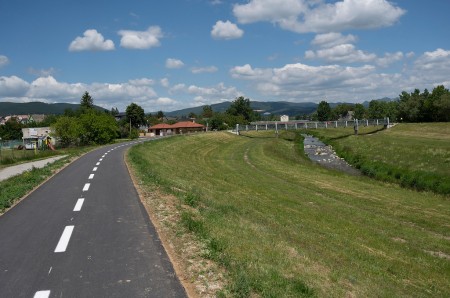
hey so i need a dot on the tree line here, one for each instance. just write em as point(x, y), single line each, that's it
point(410, 107)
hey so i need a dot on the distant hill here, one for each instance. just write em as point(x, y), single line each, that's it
point(272, 107)
point(12, 108)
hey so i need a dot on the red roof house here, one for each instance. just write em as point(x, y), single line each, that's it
point(177, 128)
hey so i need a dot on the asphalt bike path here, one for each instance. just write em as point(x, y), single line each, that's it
point(84, 233)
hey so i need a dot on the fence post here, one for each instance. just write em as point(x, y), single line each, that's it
point(316, 125)
point(296, 126)
point(285, 126)
point(266, 126)
point(346, 123)
point(336, 124)
point(367, 122)
point(256, 127)
point(237, 129)
point(326, 124)
point(306, 125)
point(377, 122)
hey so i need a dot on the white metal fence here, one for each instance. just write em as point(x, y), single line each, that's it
point(294, 125)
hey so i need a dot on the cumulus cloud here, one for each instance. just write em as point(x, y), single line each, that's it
point(433, 66)
point(3, 60)
point(211, 94)
point(141, 39)
point(338, 48)
point(13, 87)
point(174, 63)
point(331, 39)
point(208, 69)
point(318, 16)
point(165, 82)
point(226, 30)
point(91, 41)
point(346, 53)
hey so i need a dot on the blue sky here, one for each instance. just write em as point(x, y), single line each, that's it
point(173, 54)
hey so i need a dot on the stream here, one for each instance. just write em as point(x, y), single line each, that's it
point(323, 154)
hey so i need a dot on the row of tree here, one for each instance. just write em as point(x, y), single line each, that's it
point(410, 107)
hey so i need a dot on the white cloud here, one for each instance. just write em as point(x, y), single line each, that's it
point(338, 48)
point(3, 60)
point(91, 41)
point(211, 94)
point(328, 40)
point(226, 30)
point(141, 39)
point(13, 87)
point(174, 63)
point(389, 58)
point(165, 82)
point(433, 66)
point(165, 101)
point(142, 82)
point(345, 53)
point(318, 16)
point(208, 69)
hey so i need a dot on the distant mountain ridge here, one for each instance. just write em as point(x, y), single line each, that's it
point(272, 107)
point(27, 108)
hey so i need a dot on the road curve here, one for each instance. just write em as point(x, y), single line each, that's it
point(84, 233)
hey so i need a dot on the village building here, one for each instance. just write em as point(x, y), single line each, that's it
point(183, 127)
point(37, 137)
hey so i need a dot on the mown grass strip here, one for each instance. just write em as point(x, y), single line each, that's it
point(283, 226)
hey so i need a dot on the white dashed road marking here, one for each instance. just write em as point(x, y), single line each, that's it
point(78, 205)
point(94, 169)
point(91, 176)
point(86, 187)
point(64, 240)
point(42, 294)
point(97, 164)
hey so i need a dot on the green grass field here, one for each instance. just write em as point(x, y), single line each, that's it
point(283, 226)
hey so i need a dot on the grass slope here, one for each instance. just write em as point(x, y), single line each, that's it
point(413, 155)
point(285, 227)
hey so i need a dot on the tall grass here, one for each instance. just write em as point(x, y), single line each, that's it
point(283, 226)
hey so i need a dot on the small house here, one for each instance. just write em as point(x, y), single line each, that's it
point(37, 137)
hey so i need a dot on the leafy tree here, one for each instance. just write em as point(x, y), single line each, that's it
point(341, 111)
point(323, 111)
point(240, 108)
point(86, 102)
point(67, 129)
point(136, 115)
point(12, 130)
point(160, 115)
point(97, 128)
point(443, 108)
point(192, 115)
point(359, 111)
point(114, 111)
point(207, 111)
point(376, 109)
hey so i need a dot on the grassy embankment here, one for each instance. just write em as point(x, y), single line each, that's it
point(414, 155)
point(283, 226)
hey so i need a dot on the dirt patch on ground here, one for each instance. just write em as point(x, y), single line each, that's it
point(200, 277)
